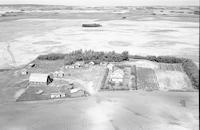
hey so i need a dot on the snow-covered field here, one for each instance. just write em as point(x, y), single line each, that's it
point(29, 38)
point(122, 110)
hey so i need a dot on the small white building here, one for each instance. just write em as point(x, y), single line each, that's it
point(58, 74)
point(91, 63)
point(77, 92)
point(117, 76)
point(39, 78)
point(57, 95)
point(69, 67)
point(110, 67)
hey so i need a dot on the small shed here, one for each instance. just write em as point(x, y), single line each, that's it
point(79, 64)
point(24, 72)
point(58, 74)
point(77, 92)
point(69, 67)
point(57, 95)
point(40, 78)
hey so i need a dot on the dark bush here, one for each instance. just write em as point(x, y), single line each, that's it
point(125, 55)
point(91, 25)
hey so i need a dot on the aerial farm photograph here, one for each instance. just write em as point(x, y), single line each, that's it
point(99, 64)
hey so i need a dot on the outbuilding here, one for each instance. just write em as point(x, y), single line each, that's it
point(77, 92)
point(57, 95)
point(40, 78)
point(91, 63)
point(79, 64)
point(58, 74)
point(24, 72)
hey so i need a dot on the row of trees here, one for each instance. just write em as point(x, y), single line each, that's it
point(161, 59)
point(96, 57)
point(87, 56)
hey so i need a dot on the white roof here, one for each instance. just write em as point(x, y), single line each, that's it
point(117, 74)
point(75, 90)
point(91, 62)
point(38, 77)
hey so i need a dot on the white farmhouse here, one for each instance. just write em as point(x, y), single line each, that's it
point(117, 76)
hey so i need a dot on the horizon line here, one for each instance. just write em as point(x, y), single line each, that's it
point(10, 4)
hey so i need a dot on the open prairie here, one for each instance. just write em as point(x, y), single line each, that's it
point(24, 37)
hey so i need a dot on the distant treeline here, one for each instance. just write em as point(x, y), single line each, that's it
point(189, 66)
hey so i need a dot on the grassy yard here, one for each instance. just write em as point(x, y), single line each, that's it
point(45, 66)
point(87, 78)
point(83, 76)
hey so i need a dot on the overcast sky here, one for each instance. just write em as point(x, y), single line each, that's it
point(104, 2)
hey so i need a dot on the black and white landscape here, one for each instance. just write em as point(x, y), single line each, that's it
point(99, 67)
